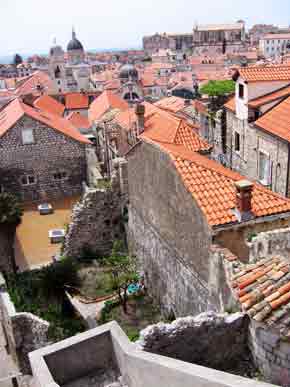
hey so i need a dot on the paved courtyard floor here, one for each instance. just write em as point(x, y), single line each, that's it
point(32, 245)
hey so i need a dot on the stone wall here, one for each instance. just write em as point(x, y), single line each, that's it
point(270, 243)
point(171, 241)
point(252, 141)
point(235, 239)
point(96, 221)
point(271, 353)
point(213, 340)
point(25, 332)
point(52, 152)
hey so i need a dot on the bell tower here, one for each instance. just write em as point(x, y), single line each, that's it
point(57, 68)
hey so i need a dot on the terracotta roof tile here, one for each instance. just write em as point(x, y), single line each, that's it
point(268, 298)
point(172, 104)
point(76, 101)
point(15, 110)
point(163, 127)
point(213, 186)
point(78, 120)
point(276, 95)
point(231, 104)
point(106, 101)
point(265, 73)
point(277, 120)
point(49, 104)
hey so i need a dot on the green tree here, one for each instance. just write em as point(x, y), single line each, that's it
point(218, 92)
point(17, 60)
point(123, 272)
point(11, 213)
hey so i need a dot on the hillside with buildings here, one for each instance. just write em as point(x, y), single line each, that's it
point(145, 212)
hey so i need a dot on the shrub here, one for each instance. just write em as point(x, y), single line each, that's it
point(55, 276)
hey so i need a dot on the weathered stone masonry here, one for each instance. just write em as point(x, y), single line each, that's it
point(171, 241)
point(51, 152)
point(96, 220)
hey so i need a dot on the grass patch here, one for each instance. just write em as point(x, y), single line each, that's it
point(95, 281)
point(141, 313)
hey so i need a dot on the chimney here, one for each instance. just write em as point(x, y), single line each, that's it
point(187, 102)
point(140, 113)
point(244, 200)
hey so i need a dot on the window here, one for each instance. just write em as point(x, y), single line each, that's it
point(60, 175)
point(237, 141)
point(27, 180)
point(27, 136)
point(264, 168)
point(241, 91)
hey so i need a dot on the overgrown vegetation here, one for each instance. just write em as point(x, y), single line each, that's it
point(11, 210)
point(123, 271)
point(42, 292)
point(141, 312)
point(218, 92)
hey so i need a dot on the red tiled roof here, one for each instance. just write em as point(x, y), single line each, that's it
point(15, 110)
point(213, 187)
point(231, 104)
point(106, 101)
point(270, 97)
point(277, 120)
point(263, 290)
point(30, 86)
point(78, 120)
point(165, 128)
point(76, 101)
point(265, 73)
point(172, 104)
point(50, 105)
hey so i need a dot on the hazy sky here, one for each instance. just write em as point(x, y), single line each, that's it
point(28, 25)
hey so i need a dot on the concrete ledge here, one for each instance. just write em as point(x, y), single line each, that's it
point(138, 368)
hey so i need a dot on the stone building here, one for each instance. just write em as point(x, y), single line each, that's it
point(71, 76)
point(257, 125)
point(181, 202)
point(274, 45)
point(176, 42)
point(213, 39)
point(43, 153)
point(258, 31)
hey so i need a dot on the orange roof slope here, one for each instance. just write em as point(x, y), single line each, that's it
point(263, 289)
point(78, 120)
point(37, 82)
point(76, 101)
point(265, 73)
point(165, 128)
point(213, 187)
point(16, 110)
point(231, 104)
point(49, 104)
point(172, 104)
point(277, 120)
point(107, 100)
point(282, 93)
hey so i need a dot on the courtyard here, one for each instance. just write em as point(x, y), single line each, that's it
point(32, 245)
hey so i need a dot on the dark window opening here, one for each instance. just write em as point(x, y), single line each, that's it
point(241, 91)
point(237, 142)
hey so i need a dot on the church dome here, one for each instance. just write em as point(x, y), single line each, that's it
point(128, 71)
point(74, 43)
